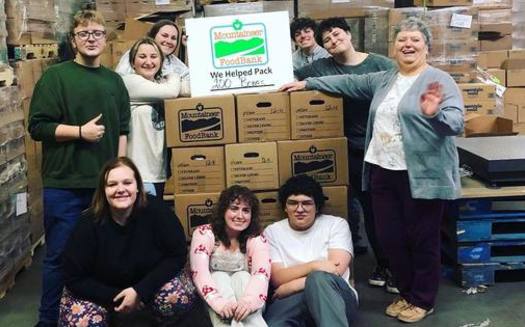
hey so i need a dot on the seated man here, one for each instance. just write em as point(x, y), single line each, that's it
point(311, 254)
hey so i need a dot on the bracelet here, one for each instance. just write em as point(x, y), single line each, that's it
point(80, 132)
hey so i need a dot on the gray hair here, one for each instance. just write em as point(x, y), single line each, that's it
point(414, 24)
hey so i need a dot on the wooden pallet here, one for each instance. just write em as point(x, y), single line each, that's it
point(33, 51)
point(9, 280)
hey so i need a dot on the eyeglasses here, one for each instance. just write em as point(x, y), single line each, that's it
point(294, 205)
point(84, 35)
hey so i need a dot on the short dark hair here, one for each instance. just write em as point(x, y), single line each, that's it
point(218, 224)
point(299, 24)
point(329, 24)
point(99, 205)
point(302, 185)
point(135, 48)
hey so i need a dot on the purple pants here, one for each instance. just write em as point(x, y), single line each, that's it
point(408, 230)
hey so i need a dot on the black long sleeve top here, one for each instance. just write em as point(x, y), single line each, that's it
point(103, 258)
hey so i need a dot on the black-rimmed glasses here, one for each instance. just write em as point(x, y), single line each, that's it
point(84, 35)
point(293, 204)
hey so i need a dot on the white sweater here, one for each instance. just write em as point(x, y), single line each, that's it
point(146, 140)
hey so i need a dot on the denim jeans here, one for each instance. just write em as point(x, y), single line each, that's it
point(62, 207)
point(327, 301)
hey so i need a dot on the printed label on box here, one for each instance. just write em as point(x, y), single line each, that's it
point(201, 124)
point(315, 162)
point(199, 214)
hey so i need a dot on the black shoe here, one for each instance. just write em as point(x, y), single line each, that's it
point(391, 286)
point(378, 277)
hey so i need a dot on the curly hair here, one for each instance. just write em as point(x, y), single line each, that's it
point(302, 185)
point(218, 224)
point(300, 24)
point(328, 24)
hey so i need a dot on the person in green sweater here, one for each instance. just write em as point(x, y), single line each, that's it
point(80, 113)
point(335, 36)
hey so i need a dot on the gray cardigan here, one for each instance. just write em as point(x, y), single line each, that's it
point(430, 153)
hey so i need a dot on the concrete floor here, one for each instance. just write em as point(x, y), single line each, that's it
point(503, 305)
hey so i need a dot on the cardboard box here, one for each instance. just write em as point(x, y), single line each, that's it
point(263, 117)
point(326, 160)
point(513, 98)
point(517, 54)
point(118, 48)
point(492, 59)
point(501, 28)
point(194, 209)
point(24, 75)
point(465, 77)
point(510, 111)
point(519, 128)
point(480, 107)
point(502, 43)
point(269, 208)
point(253, 165)
point(499, 74)
point(200, 121)
point(454, 48)
point(515, 72)
point(483, 125)
point(198, 169)
point(135, 29)
point(315, 115)
point(477, 91)
point(336, 201)
point(442, 3)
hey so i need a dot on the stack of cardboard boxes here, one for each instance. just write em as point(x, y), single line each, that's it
point(31, 22)
point(255, 140)
point(15, 244)
point(28, 72)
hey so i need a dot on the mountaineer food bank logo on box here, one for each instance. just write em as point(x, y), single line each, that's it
point(320, 164)
point(201, 124)
point(239, 45)
point(199, 213)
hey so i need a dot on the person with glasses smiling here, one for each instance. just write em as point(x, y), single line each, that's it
point(80, 112)
point(311, 254)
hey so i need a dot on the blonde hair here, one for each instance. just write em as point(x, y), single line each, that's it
point(84, 17)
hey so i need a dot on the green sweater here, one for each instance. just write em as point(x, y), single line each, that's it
point(72, 94)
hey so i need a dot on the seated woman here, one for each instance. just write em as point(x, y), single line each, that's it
point(166, 34)
point(230, 261)
point(147, 88)
point(127, 252)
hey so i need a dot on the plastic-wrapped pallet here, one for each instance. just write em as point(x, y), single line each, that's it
point(30, 21)
point(15, 245)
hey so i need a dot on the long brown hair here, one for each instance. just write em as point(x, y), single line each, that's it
point(99, 205)
point(218, 224)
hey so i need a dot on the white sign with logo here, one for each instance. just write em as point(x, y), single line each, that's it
point(239, 54)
